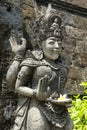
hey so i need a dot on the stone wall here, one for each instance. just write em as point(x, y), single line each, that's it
point(17, 14)
point(10, 18)
point(78, 2)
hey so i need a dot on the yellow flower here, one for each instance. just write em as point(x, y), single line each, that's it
point(62, 97)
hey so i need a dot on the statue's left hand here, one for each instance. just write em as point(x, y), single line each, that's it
point(43, 90)
point(17, 48)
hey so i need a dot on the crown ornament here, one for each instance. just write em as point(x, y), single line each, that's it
point(47, 25)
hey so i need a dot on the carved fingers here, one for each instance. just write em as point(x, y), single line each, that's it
point(43, 83)
point(43, 90)
point(12, 41)
point(17, 47)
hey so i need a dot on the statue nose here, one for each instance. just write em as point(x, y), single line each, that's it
point(56, 45)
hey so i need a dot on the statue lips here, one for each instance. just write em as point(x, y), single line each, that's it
point(56, 51)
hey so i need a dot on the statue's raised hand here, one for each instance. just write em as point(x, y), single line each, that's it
point(18, 48)
point(43, 89)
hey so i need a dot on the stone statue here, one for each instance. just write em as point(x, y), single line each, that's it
point(39, 77)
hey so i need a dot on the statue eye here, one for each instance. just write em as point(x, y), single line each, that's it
point(51, 43)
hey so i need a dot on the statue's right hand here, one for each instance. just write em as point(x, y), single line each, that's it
point(17, 48)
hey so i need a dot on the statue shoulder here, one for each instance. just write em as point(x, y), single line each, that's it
point(30, 62)
point(32, 59)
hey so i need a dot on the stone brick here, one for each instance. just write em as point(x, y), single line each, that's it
point(77, 2)
point(75, 73)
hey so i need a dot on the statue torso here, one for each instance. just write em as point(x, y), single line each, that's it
point(57, 77)
point(41, 71)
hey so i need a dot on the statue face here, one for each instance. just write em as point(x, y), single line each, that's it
point(52, 48)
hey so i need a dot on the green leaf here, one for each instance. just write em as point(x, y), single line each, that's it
point(84, 84)
point(77, 96)
point(86, 116)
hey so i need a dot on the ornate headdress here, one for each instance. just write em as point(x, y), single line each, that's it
point(46, 26)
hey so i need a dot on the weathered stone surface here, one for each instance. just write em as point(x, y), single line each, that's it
point(84, 60)
point(75, 76)
point(77, 2)
point(28, 11)
point(10, 18)
point(73, 86)
point(76, 32)
point(80, 22)
point(75, 73)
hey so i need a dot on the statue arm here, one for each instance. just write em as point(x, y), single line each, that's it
point(23, 78)
point(12, 73)
point(19, 50)
point(14, 69)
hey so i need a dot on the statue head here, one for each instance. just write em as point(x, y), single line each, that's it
point(46, 33)
point(52, 47)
